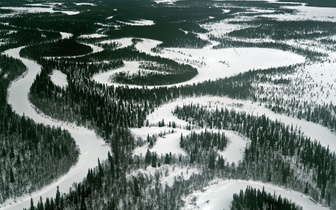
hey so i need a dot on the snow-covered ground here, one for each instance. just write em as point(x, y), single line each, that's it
point(218, 195)
point(309, 129)
point(122, 43)
point(170, 173)
point(91, 36)
point(165, 1)
point(170, 142)
point(85, 4)
point(141, 22)
point(47, 8)
point(213, 64)
point(59, 78)
point(91, 146)
point(65, 35)
point(304, 12)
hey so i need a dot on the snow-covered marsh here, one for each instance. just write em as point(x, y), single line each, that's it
point(92, 36)
point(41, 9)
point(165, 1)
point(59, 78)
point(66, 35)
point(303, 12)
point(141, 22)
point(218, 195)
point(91, 146)
point(85, 4)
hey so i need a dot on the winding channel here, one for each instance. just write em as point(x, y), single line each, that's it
point(91, 146)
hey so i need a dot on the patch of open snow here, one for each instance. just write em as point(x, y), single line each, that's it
point(323, 74)
point(234, 152)
point(91, 146)
point(222, 27)
point(170, 173)
point(306, 13)
point(104, 77)
point(85, 4)
point(226, 10)
point(218, 195)
point(90, 36)
point(38, 10)
point(59, 78)
point(141, 22)
point(165, 1)
point(66, 35)
point(168, 143)
point(122, 43)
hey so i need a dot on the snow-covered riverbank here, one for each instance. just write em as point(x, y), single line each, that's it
point(91, 146)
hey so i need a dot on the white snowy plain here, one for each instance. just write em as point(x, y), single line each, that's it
point(59, 78)
point(91, 146)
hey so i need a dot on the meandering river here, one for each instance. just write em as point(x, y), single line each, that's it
point(91, 146)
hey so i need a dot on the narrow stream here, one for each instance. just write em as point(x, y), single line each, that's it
point(91, 146)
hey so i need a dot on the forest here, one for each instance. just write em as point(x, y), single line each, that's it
point(33, 155)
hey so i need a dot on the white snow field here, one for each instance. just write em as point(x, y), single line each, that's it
point(37, 8)
point(165, 1)
point(141, 22)
point(218, 195)
point(90, 36)
point(59, 78)
point(91, 146)
point(303, 12)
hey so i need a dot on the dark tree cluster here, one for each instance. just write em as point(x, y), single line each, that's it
point(63, 47)
point(254, 199)
point(282, 30)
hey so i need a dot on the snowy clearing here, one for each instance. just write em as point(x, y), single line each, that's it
point(92, 36)
point(121, 43)
point(59, 78)
point(170, 142)
point(306, 13)
point(65, 35)
point(85, 4)
point(234, 152)
point(38, 10)
point(218, 195)
point(165, 1)
point(141, 22)
point(171, 172)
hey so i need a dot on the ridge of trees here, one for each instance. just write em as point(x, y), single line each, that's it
point(255, 199)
